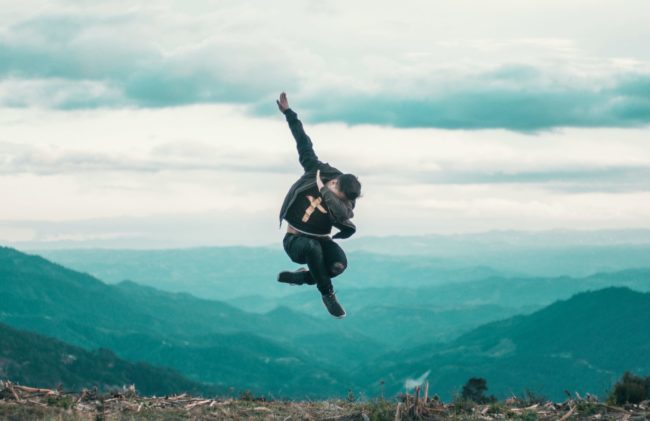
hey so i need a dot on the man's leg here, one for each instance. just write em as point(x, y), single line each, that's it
point(316, 264)
point(335, 259)
point(302, 249)
point(335, 263)
point(300, 276)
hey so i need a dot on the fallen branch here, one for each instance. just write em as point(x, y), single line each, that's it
point(613, 408)
point(36, 390)
point(568, 414)
point(11, 389)
point(199, 403)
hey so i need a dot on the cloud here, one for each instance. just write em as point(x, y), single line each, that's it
point(61, 94)
point(154, 109)
point(573, 173)
point(575, 179)
point(224, 172)
point(508, 97)
point(203, 144)
point(162, 56)
point(168, 157)
point(121, 59)
point(153, 231)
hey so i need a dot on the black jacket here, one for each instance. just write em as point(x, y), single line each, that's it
point(340, 211)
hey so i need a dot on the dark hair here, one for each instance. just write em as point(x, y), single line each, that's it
point(349, 185)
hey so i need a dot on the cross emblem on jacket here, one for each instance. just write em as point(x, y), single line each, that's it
point(314, 203)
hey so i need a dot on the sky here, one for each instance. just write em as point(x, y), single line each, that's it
point(154, 123)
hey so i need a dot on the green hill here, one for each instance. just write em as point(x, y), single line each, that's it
point(32, 359)
point(581, 344)
point(210, 341)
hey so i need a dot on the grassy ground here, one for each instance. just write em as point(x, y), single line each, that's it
point(24, 403)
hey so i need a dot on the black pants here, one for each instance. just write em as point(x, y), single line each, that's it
point(322, 255)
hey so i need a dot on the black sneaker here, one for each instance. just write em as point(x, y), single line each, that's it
point(333, 306)
point(296, 277)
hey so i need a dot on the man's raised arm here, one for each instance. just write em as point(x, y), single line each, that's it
point(306, 154)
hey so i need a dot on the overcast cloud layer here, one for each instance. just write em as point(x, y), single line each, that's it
point(154, 123)
point(214, 175)
point(524, 67)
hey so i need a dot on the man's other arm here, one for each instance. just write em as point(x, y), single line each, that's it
point(306, 154)
point(340, 210)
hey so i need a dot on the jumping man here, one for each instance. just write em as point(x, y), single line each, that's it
point(323, 197)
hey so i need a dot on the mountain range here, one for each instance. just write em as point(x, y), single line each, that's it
point(504, 329)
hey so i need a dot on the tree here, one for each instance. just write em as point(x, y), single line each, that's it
point(630, 389)
point(474, 390)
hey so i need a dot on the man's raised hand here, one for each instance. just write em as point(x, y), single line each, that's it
point(283, 104)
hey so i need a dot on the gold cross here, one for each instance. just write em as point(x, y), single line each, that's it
point(313, 205)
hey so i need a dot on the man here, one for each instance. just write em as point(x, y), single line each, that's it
point(323, 197)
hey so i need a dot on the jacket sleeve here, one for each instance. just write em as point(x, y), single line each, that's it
point(340, 210)
point(347, 229)
point(340, 213)
point(306, 154)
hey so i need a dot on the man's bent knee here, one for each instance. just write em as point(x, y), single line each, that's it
point(337, 268)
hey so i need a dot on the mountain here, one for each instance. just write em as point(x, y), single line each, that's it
point(29, 358)
point(507, 292)
point(224, 273)
point(390, 334)
point(582, 344)
point(201, 338)
point(407, 310)
point(548, 253)
point(410, 316)
point(235, 273)
point(455, 244)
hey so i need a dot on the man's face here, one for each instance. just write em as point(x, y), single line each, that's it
point(333, 185)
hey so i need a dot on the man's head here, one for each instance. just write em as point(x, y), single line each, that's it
point(346, 187)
